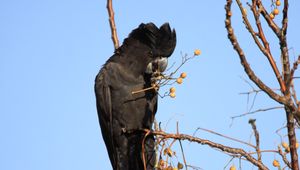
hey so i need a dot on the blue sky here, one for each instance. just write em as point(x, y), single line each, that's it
point(50, 52)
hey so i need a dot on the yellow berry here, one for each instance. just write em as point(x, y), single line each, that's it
point(179, 165)
point(278, 3)
point(297, 145)
point(168, 151)
point(183, 75)
point(173, 95)
point(232, 167)
point(179, 80)
point(285, 145)
point(272, 16)
point(172, 90)
point(197, 52)
point(276, 11)
point(162, 163)
point(276, 163)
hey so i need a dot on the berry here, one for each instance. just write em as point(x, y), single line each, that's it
point(179, 165)
point(197, 52)
point(179, 80)
point(284, 145)
point(172, 90)
point(276, 11)
point(173, 95)
point(183, 75)
point(232, 167)
point(276, 163)
point(168, 151)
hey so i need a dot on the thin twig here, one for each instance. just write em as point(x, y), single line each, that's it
point(227, 137)
point(112, 24)
point(256, 134)
point(228, 162)
point(264, 151)
point(254, 91)
point(294, 94)
point(183, 156)
point(291, 81)
point(162, 79)
point(258, 110)
point(283, 156)
point(145, 89)
point(295, 66)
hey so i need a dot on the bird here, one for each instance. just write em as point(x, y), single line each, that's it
point(122, 114)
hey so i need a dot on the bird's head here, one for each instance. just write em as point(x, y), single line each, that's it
point(161, 43)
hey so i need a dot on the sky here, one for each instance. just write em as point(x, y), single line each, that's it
point(51, 51)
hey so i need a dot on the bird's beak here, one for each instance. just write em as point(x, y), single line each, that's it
point(159, 64)
point(162, 64)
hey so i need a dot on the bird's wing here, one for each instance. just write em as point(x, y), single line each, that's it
point(104, 107)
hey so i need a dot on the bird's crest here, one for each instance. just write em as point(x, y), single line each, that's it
point(161, 40)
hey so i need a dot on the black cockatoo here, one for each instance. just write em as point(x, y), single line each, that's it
point(121, 113)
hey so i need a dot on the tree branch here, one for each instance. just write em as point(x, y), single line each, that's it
point(227, 137)
point(258, 110)
point(295, 67)
point(256, 134)
point(112, 24)
point(292, 138)
point(269, 20)
point(283, 156)
point(244, 61)
point(267, 53)
point(226, 149)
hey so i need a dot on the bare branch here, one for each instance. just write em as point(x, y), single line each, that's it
point(283, 156)
point(256, 134)
point(249, 26)
point(294, 94)
point(295, 66)
point(284, 47)
point(223, 148)
point(244, 61)
point(281, 34)
point(285, 17)
point(292, 138)
point(285, 79)
point(112, 24)
point(183, 156)
point(258, 110)
point(227, 137)
point(267, 51)
point(269, 20)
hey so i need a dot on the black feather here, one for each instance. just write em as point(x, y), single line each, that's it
point(121, 113)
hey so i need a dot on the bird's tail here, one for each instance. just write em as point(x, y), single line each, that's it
point(141, 154)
